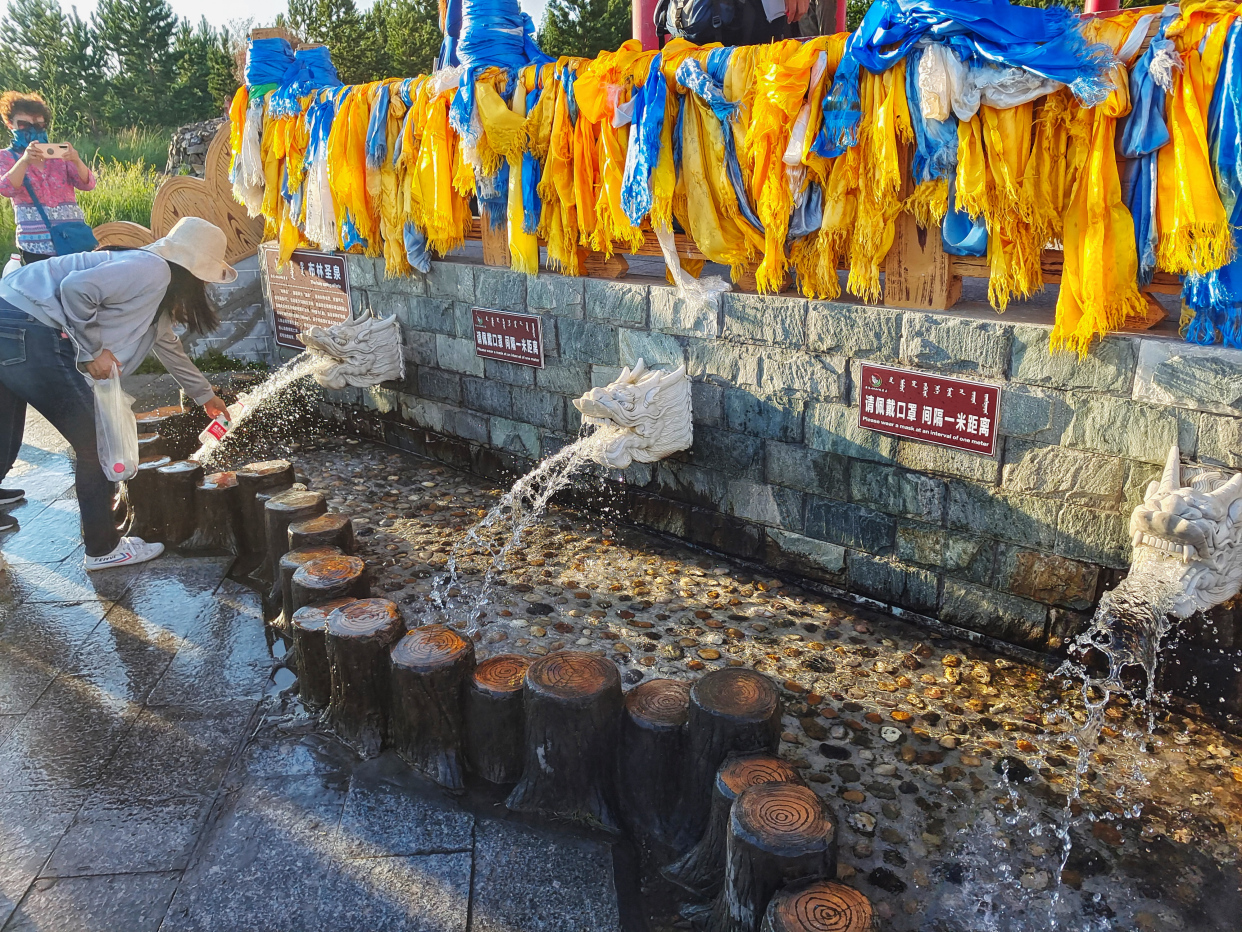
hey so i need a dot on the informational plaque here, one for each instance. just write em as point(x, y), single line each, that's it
point(509, 337)
point(312, 290)
point(951, 412)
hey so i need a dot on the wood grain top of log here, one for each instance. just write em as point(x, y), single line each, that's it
point(736, 693)
point(783, 819)
point(315, 617)
point(178, 467)
point(303, 555)
point(325, 523)
point(429, 648)
point(819, 906)
point(501, 675)
point(364, 618)
point(570, 675)
point(294, 501)
point(154, 462)
point(265, 468)
point(740, 773)
point(328, 571)
point(219, 480)
point(659, 705)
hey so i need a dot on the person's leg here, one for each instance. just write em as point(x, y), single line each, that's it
point(12, 429)
point(38, 365)
point(29, 257)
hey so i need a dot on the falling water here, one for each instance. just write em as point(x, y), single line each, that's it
point(268, 391)
point(516, 511)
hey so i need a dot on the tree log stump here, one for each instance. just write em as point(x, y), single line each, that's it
point(150, 444)
point(732, 711)
point(701, 869)
point(359, 638)
point(653, 736)
point(495, 720)
point(430, 668)
point(281, 511)
point(819, 906)
point(572, 703)
point(290, 563)
point(778, 833)
point(253, 478)
point(217, 514)
point(327, 578)
point(143, 517)
point(176, 487)
point(310, 652)
point(334, 529)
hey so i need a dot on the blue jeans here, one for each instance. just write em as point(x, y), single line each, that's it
point(38, 366)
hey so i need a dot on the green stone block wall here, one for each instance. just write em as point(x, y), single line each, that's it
point(1017, 547)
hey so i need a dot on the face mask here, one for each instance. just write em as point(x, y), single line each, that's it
point(24, 136)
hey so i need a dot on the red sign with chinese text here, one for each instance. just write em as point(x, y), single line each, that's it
point(950, 412)
point(311, 290)
point(509, 337)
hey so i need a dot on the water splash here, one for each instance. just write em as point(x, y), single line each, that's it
point(300, 367)
point(501, 529)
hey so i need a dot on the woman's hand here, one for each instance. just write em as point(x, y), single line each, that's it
point(215, 407)
point(71, 155)
point(101, 366)
point(32, 157)
point(795, 10)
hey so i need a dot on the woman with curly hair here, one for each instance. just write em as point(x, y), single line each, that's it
point(24, 170)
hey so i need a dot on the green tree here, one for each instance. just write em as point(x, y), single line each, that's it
point(410, 34)
point(138, 40)
point(584, 27)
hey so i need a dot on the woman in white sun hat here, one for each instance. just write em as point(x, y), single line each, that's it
point(85, 313)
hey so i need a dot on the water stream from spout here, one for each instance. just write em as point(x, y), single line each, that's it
point(300, 367)
point(501, 529)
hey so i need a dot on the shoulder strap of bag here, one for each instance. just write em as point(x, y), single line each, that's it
point(38, 204)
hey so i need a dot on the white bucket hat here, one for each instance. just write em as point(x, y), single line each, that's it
point(197, 245)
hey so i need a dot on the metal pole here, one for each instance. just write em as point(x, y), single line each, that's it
point(642, 19)
point(840, 15)
point(1100, 6)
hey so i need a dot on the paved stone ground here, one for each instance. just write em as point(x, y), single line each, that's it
point(153, 778)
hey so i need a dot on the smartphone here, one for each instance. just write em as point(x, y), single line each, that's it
point(53, 150)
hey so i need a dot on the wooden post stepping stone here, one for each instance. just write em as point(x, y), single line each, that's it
point(279, 512)
point(360, 636)
point(495, 719)
point(217, 514)
point(150, 444)
point(330, 528)
point(573, 704)
point(143, 517)
point(819, 906)
point(310, 652)
point(778, 833)
point(176, 485)
point(269, 476)
point(653, 736)
point(335, 576)
point(732, 711)
point(701, 869)
point(431, 666)
point(290, 563)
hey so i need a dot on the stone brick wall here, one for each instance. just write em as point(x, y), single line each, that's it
point(1017, 547)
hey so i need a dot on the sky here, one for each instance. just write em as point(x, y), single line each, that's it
point(261, 12)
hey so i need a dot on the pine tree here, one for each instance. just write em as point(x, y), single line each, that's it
point(137, 37)
point(584, 27)
point(410, 32)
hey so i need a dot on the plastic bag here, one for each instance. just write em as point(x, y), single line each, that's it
point(116, 428)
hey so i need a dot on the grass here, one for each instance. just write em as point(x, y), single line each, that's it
point(213, 360)
point(137, 143)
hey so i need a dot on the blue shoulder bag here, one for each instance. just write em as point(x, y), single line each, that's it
point(68, 236)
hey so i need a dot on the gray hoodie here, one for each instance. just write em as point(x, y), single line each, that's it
point(107, 300)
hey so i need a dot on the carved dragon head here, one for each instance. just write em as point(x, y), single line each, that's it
point(651, 406)
point(1199, 524)
point(361, 352)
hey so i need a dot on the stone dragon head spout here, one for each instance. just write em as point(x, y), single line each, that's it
point(360, 352)
point(652, 409)
point(1198, 524)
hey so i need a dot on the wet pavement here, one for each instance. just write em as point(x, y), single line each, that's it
point(154, 776)
point(155, 773)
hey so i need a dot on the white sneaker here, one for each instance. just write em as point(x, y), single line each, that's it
point(129, 551)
